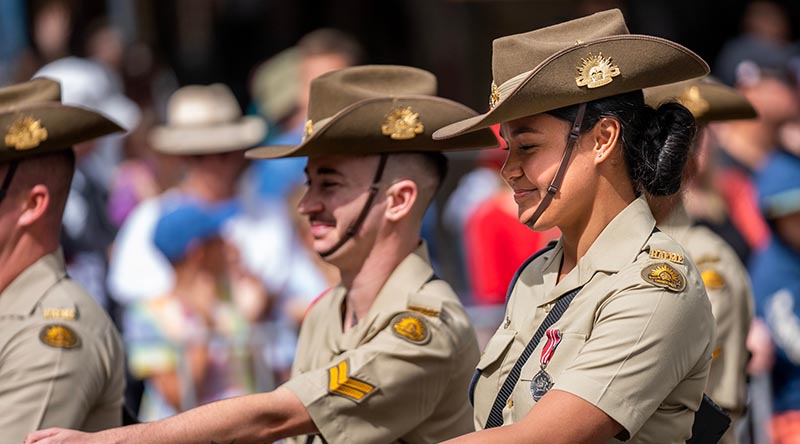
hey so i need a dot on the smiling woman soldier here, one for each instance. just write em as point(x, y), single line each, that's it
point(607, 335)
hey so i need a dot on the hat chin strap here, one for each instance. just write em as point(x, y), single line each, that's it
point(552, 189)
point(355, 226)
point(12, 168)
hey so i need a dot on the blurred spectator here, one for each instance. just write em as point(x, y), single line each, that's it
point(13, 39)
point(51, 32)
point(776, 283)
point(316, 53)
point(190, 345)
point(88, 231)
point(206, 129)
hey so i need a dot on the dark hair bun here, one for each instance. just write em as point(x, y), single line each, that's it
point(665, 148)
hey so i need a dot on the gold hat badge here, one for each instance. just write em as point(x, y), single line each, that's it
point(494, 96)
point(596, 71)
point(308, 130)
point(25, 133)
point(402, 124)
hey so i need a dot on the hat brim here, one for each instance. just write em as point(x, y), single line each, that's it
point(721, 102)
point(356, 130)
point(65, 125)
point(183, 141)
point(648, 61)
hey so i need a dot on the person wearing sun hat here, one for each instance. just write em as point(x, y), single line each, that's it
point(61, 358)
point(724, 276)
point(385, 356)
point(608, 334)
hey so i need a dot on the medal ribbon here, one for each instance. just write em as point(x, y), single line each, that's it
point(553, 339)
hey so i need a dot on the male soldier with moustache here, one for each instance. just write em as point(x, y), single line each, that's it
point(386, 356)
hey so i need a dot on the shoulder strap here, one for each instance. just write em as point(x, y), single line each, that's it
point(496, 414)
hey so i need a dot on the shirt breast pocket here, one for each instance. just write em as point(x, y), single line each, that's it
point(493, 352)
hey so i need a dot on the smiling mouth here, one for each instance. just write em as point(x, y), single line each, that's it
point(320, 228)
point(520, 194)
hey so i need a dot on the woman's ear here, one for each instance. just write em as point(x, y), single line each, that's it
point(400, 197)
point(606, 134)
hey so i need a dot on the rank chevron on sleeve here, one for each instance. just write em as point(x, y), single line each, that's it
point(340, 383)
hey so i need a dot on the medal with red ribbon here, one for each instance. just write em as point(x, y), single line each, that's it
point(542, 382)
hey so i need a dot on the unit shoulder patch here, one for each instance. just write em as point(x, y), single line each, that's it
point(712, 279)
point(342, 384)
point(412, 328)
point(59, 336)
point(665, 276)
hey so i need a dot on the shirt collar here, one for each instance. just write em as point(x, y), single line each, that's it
point(26, 290)
point(412, 273)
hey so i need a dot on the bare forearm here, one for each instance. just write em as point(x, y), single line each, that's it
point(248, 419)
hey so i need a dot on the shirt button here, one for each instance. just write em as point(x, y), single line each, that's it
point(510, 403)
point(548, 307)
point(507, 322)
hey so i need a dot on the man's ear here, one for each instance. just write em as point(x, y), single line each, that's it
point(400, 197)
point(607, 133)
point(34, 205)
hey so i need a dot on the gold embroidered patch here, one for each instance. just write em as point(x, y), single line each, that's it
point(666, 255)
point(402, 124)
point(712, 279)
point(665, 276)
point(25, 133)
point(59, 336)
point(411, 327)
point(68, 314)
point(340, 383)
point(694, 101)
point(308, 130)
point(596, 71)
point(494, 96)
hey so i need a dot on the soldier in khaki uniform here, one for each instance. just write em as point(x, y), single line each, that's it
point(628, 358)
point(61, 359)
point(385, 356)
point(725, 277)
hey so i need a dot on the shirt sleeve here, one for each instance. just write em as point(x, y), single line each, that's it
point(644, 342)
point(44, 386)
point(379, 391)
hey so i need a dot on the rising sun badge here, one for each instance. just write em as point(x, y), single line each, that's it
point(596, 71)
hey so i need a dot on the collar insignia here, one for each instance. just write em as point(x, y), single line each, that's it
point(402, 124)
point(494, 96)
point(25, 133)
point(596, 71)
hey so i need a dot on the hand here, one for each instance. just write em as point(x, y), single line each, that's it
point(59, 436)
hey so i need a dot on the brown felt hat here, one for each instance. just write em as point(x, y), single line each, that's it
point(574, 62)
point(375, 109)
point(33, 120)
point(708, 99)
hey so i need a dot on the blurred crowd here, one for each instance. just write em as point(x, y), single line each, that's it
point(207, 269)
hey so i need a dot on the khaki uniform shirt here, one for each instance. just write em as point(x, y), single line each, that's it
point(731, 295)
point(61, 359)
point(401, 374)
point(636, 341)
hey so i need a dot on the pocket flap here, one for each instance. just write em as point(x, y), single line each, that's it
point(496, 347)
